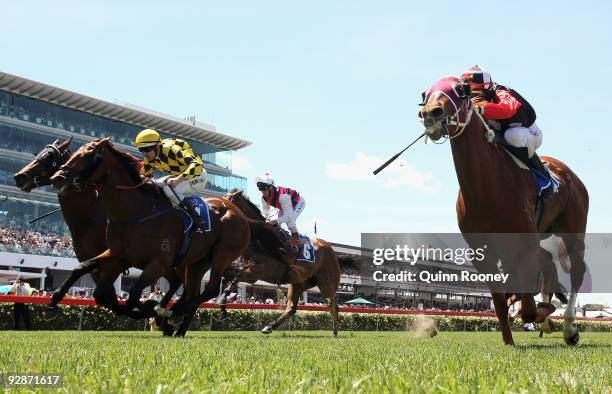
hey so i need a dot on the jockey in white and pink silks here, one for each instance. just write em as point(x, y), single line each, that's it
point(288, 202)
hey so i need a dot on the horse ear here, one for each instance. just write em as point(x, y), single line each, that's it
point(106, 141)
point(64, 145)
point(422, 99)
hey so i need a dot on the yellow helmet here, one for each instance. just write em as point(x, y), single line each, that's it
point(147, 137)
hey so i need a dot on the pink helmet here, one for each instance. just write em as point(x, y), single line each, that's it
point(478, 76)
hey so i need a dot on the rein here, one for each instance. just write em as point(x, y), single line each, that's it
point(131, 187)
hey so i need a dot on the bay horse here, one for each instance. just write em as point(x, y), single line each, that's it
point(145, 231)
point(85, 217)
point(301, 276)
point(496, 205)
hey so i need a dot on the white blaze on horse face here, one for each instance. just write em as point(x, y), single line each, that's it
point(433, 128)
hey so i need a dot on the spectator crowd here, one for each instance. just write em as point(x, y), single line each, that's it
point(28, 241)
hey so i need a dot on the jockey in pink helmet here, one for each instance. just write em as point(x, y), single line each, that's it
point(508, 112)
point(288, 202)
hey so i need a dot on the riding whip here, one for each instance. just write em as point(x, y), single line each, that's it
point(44, 215)
point(392, 159)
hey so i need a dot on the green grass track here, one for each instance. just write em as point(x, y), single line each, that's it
point(310, 361)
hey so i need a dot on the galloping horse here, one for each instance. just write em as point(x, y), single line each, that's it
point(86, 219)
point(261, 265)
point(497, 197)
point(146, 232)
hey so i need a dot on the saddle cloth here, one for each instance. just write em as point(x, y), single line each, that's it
point(200, 206)
point(305, 250)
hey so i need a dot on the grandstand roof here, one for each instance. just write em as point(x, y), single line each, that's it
point(123, 112)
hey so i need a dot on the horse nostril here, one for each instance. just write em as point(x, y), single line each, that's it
point(20, 179)
point(437, 112)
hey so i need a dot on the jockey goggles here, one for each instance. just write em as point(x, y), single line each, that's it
point(146, 149)
point(262, 186)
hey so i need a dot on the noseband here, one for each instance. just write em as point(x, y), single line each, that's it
point(49, 158)
point(462, 104)
point(462, 115)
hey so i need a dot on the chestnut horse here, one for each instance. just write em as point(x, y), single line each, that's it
point(86, 219)
point(146, 232)
point(301, 276)
point(497, 197)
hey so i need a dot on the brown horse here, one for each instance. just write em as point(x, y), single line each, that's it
point(146, 232)
point(497, 197)
point(86, 219)
point(261, 265)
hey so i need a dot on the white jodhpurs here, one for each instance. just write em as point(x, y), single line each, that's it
point(189, 187)
point(524, 137)
point(289, 216)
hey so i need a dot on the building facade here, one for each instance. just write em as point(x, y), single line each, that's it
point(33, 114)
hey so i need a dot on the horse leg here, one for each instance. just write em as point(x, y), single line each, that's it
point(221, 257)
point(488, 265)
point(151, 273)
point(52, 311)
point(184, 311)
point(501, 310)
point(575, 248)
point(105, 295)
point(328, 290)
point(222, 302)
point(293, 296)
point(523, 270)
point(162, 322)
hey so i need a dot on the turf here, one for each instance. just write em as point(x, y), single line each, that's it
point(311, 361)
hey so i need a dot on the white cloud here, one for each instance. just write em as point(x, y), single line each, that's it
point(397, 174)
point(240, 163)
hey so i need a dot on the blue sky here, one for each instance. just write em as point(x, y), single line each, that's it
point(328, 90)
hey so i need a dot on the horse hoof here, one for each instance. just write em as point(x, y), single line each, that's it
point(573, 340)
point(266, 330)
point(51, 313)
point(547, 306)
point(547, 326)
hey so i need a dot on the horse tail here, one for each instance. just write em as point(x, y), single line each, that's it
point(267, 238)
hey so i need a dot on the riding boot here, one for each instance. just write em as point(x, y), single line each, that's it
point(539, 166)
point(197, 220)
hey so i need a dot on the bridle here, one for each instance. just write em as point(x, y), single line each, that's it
point(83, 175)
point(462, 105)
point(49, 159)
point(463, 111)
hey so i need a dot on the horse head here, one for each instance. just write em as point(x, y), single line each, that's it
point(83, 167)
point(38, 172)
point(237, 197)
point(446, 108)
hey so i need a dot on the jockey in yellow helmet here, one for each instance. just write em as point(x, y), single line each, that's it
point(174, 156)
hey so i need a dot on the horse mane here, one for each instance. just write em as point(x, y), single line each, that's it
point(264, 237)
point(131, 163)
point(239, 193)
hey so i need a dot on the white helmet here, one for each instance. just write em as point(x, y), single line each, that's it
point(479, 76)
point(266, 179)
